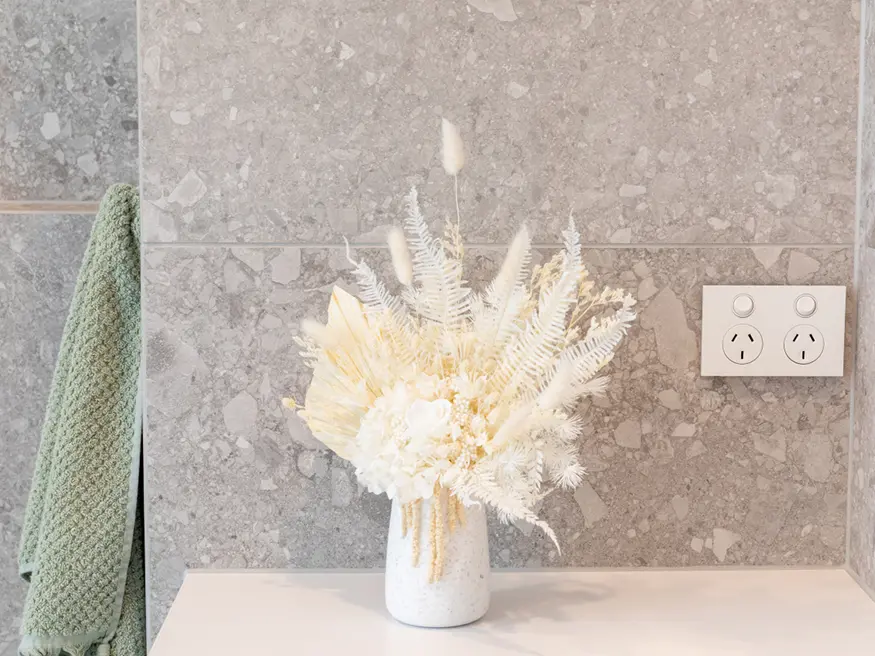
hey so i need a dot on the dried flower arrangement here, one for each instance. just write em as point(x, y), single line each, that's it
point(442, 389)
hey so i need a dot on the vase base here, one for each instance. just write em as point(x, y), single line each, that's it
point(438, 622)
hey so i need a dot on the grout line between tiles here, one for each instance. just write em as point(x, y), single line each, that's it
point(291, 244)
point(48, 207)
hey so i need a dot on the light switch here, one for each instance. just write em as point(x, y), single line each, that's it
point(773, 330)
point(806, 305)
point(742, 305)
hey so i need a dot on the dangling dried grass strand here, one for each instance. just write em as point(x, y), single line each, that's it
point(415, 510)
point(440, 537)
point(432, 536)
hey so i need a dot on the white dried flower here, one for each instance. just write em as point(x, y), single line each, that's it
point(400, 256)
point(426, 420)
point(444, 388)
point(452, 148)
point(388, 457)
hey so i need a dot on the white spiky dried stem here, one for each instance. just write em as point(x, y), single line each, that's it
point(400, 256)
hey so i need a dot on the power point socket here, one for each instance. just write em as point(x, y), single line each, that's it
point(777, 313)
point(742, 344)
point(804, 344)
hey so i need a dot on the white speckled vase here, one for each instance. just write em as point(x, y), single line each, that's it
point(461, 595)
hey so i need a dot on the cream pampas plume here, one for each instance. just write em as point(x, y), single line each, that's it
point(453, 151)
point(400, 256)
point(507, 293)
point(560, 389)
point(319, 333)
point(516, 423)
point(512, 272)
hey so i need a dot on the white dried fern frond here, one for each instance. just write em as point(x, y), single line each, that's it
point(377, 299)
point(374, 294)
point(481, 487)
point(531, 354)
point(440, 294)
point(594, 352)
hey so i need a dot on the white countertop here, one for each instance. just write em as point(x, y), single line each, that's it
point(566, 613)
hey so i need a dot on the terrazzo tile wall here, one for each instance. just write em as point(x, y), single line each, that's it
point(696, 141)
point(68, 103)
point(68, 129)
point(861, 525)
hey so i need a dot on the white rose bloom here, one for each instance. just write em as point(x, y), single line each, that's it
point(389, 457)
point(428, 421)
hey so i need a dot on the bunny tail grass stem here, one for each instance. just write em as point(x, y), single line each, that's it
point(456, 190)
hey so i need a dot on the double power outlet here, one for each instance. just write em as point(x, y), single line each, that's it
point(773, 330)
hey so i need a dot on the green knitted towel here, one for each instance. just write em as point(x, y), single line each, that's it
point(81, 545)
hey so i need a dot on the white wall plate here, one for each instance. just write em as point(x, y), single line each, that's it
point(773, 330)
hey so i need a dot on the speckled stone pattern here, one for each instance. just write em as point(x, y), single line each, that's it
point(271, 130)
point(680, 121)
point(39, 260)
point(68, 98)
point(683, 470)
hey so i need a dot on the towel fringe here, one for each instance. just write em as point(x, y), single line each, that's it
point(40, 651)
point(72, 648)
